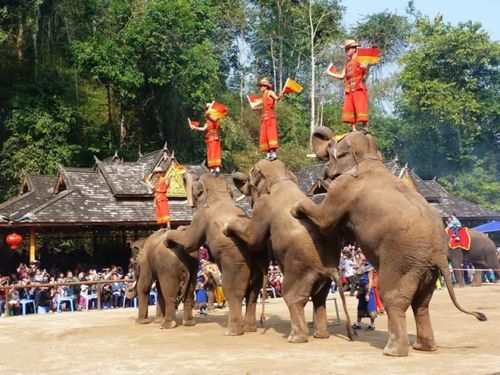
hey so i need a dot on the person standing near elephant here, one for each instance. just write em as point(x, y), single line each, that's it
point(367, 307)
point(160, 189)
point(212, 138)
point(201, 293)
point(355, 108)
point(268, 138)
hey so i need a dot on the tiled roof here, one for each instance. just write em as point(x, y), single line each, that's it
point(307, 176)
point(125, 179)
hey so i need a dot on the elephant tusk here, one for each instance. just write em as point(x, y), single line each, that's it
point(240, 198)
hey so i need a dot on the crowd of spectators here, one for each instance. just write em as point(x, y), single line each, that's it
point(46, 298)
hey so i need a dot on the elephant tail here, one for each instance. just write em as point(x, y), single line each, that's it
point(264, 295)
point(334, 274)
point(442, 265)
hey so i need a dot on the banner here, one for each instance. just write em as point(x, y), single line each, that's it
point(217, 110)
point(255, 101)
point(368, 56)
point(291, 87)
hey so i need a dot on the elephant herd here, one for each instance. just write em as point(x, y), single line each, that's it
point(399, 232)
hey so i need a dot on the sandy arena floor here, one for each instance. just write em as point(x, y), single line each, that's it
point(109, 342)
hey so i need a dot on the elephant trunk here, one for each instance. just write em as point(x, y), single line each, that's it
point(334, 274)
point(442, 265)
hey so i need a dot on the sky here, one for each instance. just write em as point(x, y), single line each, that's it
point(487, 12)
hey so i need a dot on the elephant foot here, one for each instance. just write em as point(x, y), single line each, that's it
point(168, 325)
point(297, 339)
point(159, 319)
point(395, 351)
point(189, 323)
point(321, 335)
point(425, 345)
point(143, 320)
point(250, 328)
point(232, 332)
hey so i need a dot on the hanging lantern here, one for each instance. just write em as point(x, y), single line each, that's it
point(14, 240)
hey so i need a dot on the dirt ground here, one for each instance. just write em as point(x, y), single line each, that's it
point(109, 342)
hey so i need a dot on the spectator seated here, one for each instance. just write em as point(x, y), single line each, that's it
point(68, 299)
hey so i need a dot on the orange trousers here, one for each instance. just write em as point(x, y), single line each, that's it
point(268, 139)
point(355, 107)
point(214, 153)
point(162, 210)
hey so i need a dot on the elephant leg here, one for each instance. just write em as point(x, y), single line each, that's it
point(320, 215)
point(456, 263)
point(143, 287)
point(319, 302)
point(477, 279)
point(188, 319)
point(234, 296)
point(296, 295)
point(169, 288)
point(397, 292)
point(160, 305)
point(420, 306)
point(252, 295)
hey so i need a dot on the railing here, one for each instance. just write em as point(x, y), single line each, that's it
point(7, 288)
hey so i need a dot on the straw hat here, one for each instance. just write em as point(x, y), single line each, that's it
point(158, 170)
point(350, 43)
point(265, 82)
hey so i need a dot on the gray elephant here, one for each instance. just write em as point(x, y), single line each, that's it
point(173, 270)
point(482, 254)
point(398, 231)
point(307, 259)
point(242, 271)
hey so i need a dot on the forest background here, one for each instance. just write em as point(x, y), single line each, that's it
point(91, 77)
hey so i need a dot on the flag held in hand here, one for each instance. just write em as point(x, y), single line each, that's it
point(193, 123)
point(255, 101)
point(291, 86)
point(217, 110)
point(368, 56)
point(333, 69)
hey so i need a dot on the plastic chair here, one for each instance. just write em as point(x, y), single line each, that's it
point(88, 299)
point(126, 299)
point(69, 299)
point(155, 297)
point(25, 302)
point(271, 290)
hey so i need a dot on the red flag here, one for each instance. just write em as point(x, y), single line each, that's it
point(196, 124)
point(368, 55)
point(217, 110)
point(333, 69)
point(255, 101)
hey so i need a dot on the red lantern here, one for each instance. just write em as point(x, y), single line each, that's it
point(14, 240)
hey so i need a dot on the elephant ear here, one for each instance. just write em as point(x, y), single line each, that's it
point(320, 140)
point(372, 147)
point(199, 192)
point(241, 182)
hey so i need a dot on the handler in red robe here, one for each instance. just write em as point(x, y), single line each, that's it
point(268, 139)
point(212, 138)
point(161, 200)
point(355, 108)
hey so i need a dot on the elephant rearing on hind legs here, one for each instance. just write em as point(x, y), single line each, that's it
point(398, 231)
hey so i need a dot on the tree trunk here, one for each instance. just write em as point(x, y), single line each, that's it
point(34, 36)
point(273, 61)
point(280, 31)
point(313, 73)
point(20, 39)
point(110, 120)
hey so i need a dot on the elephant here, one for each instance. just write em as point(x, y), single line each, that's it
point(173, 270)
point(242, 271)
point(482, 254)
point(400, 233)
point(307, 259)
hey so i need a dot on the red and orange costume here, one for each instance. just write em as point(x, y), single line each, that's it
point(161, 201)
point(268, 139)
point(214, 150)
point(355, 107)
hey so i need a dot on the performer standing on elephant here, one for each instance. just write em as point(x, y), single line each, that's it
point(268, 138)
point(160, 189)
point(212, 138)
point(355, 108)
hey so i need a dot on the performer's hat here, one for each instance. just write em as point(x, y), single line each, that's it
point(350, 43)
point(158, 170)
point(265, 82)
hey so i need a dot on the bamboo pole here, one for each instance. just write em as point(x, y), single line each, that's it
point(32, 244)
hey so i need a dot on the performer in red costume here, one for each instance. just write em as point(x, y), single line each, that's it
point(268, 139)
point(355, 109)
point(160, 193)
point(212, 137)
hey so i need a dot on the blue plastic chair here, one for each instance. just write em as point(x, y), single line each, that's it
point(69, 299)
point(25, 302)
point(153, 296)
